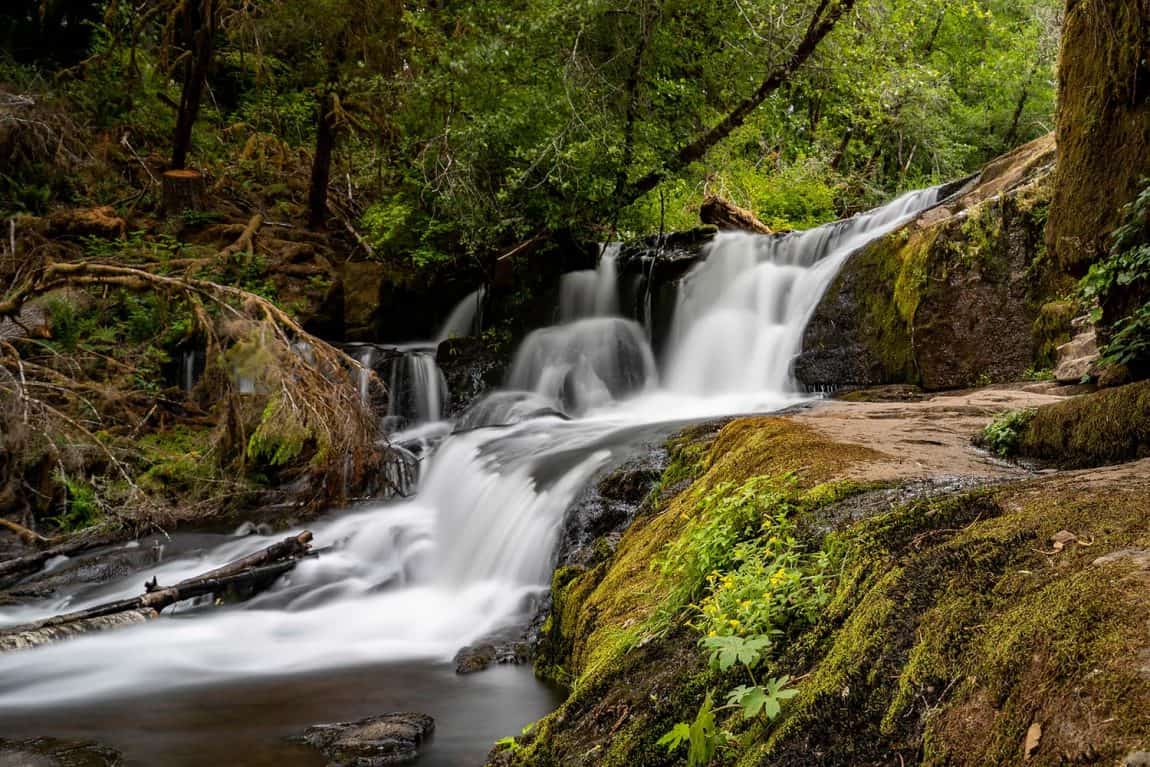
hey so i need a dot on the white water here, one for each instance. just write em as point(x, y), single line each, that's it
point(741, 313)
point(591, 292)
point(466, 319)
point(471, 552)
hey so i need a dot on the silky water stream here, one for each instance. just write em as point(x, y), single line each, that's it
point(371, 625)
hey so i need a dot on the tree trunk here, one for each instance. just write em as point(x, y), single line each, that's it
point(823, 20)
point(726, 215)
point(200, 30)
point(183, 190)
point(321, 163)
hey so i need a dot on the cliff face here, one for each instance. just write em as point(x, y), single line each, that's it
point(952, 299)
point(1103, 125)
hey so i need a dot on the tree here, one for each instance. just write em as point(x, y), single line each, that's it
point(345, 51)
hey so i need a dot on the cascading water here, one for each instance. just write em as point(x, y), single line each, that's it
point(466, 319)
point(591, 292)
point(741, 313)
point(471, 551)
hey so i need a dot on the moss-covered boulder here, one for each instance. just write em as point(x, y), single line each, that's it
point(1108, 426)
point(993, 626)
point(1103, 125)
point(954, 298)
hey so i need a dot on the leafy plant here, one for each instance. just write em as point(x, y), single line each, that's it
point(1124, 272)
point(1004, 434)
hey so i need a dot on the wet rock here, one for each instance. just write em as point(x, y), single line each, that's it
point(947, 301)
point(471, 368)
point(606, 508)
point(474, 658)
point(49, 752)
point(376, 741)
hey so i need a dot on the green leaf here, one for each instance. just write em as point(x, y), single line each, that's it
point(672, 740)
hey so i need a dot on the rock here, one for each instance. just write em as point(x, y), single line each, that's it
point(1077, 357)
point(948, 301)
point(471, 368)
point(1139, 558)
point(1114, 375)
point(90, 222)
point(474, 658)
point(376, 741)
point(362, 286)
point(1137, 759)
point(49, 752)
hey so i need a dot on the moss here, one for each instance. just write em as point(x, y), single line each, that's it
point(1103, 111)
point(179, 462)
point(1104, 427)
point(953, 625)
point(1052, 329)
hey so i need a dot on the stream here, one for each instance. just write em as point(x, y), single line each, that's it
point(371, 625)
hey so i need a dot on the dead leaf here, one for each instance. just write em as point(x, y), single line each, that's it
point(1033, 736)
point(1062, 538)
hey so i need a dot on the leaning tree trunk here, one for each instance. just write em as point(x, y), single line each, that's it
point(321, 163)
point(202, 38)
point(823, 20)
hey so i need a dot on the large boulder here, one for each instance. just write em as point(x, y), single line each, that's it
point(953, 298)
point(1103, 125)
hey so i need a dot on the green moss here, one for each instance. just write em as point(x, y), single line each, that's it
point(1052, 329)
point(1104, 427)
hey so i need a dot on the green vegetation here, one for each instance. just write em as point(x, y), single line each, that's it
point(1118, 288)
point(1004, 434)
point(461, 129)
point(944, 633)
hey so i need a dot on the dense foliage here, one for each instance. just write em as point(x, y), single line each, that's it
point(1121, 283)
point(463, 128)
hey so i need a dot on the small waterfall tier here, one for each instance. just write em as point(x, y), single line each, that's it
point(584, 364)
point(740, 313)
point(466, 319)
point(591, 292)
point(416, 389)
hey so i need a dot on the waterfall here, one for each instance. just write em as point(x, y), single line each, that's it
point(415, 383)
point(466, 319)
point(587, 363)
point(591, 292)
point(741, 313)
point(471, 551)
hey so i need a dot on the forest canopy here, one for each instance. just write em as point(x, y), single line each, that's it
point(460, 128)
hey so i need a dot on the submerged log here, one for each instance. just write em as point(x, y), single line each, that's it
point(726, 215)
point(244, 577)
point(12, 570)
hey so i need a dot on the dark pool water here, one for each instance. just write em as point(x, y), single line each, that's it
point(247, 724)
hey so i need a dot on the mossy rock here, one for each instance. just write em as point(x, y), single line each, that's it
point(1104, 427)
point(952, 299)
point(956, 623)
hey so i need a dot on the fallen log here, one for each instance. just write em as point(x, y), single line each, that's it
point(726, 215)
point(26, 640)
point(12, 570)
point(243, 577)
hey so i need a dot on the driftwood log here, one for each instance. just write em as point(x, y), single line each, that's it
point(244, 577)
point(726, 215)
